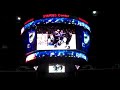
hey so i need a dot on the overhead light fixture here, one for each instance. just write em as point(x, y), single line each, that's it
point(18, 18)
point(94, 13)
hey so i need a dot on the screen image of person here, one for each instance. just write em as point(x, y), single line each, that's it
point(56, 39)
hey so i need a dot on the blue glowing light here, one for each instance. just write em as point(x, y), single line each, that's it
point(61, 53)
point(58, 20)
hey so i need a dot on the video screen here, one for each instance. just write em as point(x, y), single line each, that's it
point(56, 37)
point(56, 68)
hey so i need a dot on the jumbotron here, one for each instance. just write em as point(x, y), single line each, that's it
point(56, 42)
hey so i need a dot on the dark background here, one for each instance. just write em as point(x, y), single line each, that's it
point(104, 51)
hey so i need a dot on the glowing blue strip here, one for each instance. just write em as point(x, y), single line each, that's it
point(59, 20)
point(28, 25)
point(61, 53)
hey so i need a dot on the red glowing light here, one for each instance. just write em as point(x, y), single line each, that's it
point(83, 20)
point(29, 21)
point(55, 15)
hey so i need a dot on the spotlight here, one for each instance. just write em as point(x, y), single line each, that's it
point(94, 13)
point(18, 18)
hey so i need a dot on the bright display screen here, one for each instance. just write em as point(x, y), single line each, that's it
point(55, 38)
point(56, 68)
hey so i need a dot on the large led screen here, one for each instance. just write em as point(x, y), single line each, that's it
point(52, 36)
point(56, 37)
